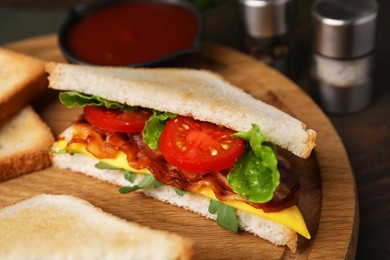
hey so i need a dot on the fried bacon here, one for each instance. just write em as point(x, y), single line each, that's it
point(104, 144)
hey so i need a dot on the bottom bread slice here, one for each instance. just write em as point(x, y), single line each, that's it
point(266, 229)
point(65, 227)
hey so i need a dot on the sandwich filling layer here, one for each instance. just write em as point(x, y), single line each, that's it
point(234, 169)
point(129, 152)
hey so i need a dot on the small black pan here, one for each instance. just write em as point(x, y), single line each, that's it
point(79, 12)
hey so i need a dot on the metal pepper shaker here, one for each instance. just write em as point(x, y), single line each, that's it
point(344, 34)
point(267, 27)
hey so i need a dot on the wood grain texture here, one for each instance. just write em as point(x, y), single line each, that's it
point(327, 196)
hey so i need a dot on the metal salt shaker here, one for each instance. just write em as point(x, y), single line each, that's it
point(267, 26)
point(343, 46)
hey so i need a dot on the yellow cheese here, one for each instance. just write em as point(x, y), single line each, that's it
point(290, 217)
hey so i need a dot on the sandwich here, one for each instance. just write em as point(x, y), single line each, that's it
point(67, 227)
point(185, 137)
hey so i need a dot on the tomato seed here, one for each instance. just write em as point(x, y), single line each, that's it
point(225, 146)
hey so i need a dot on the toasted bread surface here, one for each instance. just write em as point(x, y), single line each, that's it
point(66, 227)
point(266, 229)
point(23, 140)
point(22, 79)
point(198, 93)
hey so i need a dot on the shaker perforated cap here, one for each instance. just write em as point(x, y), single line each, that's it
point(344, 29)
point(266, 18)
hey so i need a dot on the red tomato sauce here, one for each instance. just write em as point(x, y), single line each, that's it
point(132, 33)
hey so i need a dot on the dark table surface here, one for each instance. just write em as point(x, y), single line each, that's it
point(366, 134)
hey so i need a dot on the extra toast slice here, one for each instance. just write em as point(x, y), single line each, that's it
point(22, 79)
point(66, 227)
point(23, 142)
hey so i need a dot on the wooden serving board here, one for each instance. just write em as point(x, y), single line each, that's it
point(327, 195)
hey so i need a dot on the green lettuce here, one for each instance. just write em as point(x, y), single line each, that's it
point(255, 175)
point(179, 191)
point(73, 98)
point(154, 127)
point(105, 166)
point(130, 176)
point(226, 215)
point(147, 180)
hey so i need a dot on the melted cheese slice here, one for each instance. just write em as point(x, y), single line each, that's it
point(290, 217)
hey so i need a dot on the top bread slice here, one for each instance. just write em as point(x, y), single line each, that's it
point(198, 93)
point(22, 79)
point(23, 140)
point(66, 227)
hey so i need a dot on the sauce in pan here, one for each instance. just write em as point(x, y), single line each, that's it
point(132, 33)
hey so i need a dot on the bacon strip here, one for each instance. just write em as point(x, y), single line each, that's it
point(104, 144)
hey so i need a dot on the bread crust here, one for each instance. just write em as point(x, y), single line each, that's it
point(23, 163)
point(23, 78)
point(201, 94)
point(23, 143)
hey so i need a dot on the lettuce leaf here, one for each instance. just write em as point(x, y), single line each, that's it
point(226, 215)
point(147, 181)
point(179, 192)
point(105, 166)
point(255, 175)
point(154, 127)
point(130, 176)
point(72, 98)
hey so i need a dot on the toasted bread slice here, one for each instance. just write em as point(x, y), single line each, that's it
point(22, 79)
point(273, 232)
point(66, 227)
point(23, 140)
point(201, 94)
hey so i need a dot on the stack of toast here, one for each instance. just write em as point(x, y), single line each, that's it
point(23, 135)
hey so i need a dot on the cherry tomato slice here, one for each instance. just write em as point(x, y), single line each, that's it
point(199, 147)
point(115, 120)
